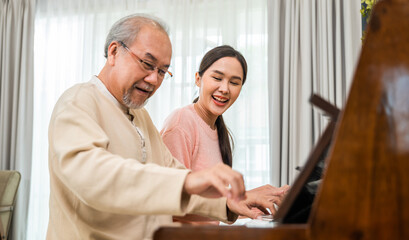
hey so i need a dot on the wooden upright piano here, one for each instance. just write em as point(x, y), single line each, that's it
point(364, 194)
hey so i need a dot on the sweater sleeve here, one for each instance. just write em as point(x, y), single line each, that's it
point(179, 144)
point(79, 159)
point(214, 208)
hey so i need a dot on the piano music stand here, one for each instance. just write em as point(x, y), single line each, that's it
point(297, 204)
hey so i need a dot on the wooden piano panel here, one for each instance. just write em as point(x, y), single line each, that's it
point(365, 192)
point(285, 232)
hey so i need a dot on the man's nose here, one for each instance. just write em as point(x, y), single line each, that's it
point(152, 78)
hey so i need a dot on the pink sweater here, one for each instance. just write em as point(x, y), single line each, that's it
point(193, 143)
point(191, 140)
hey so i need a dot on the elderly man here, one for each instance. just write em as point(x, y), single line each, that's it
point(111, 175)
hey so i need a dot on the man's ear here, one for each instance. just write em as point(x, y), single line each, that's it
point(197, 79)
point(112, 52)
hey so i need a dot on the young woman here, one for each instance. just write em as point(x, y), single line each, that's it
point(196, 134)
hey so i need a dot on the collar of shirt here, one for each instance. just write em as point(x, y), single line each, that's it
point(103, 89)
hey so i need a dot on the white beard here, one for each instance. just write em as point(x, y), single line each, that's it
point(128, 102)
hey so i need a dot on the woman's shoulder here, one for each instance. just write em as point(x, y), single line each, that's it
point(180, 118)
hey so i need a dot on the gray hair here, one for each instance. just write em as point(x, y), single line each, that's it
point(126, 29)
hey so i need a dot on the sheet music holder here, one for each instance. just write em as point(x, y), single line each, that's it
point(297, 204)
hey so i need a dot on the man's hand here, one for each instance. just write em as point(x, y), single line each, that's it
point(218, 181)
point(258, 200)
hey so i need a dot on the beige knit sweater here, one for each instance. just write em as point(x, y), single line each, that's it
point(101, 187)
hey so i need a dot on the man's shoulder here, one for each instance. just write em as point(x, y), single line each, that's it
point(80, 90)
point(80, 94)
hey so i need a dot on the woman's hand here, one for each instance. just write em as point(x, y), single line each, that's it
point(259, 201)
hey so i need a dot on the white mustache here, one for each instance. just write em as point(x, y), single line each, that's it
point(147, 87)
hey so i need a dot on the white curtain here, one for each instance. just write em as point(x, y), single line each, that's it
point(313, 48)
point(16, 97)
point(293, 48)
point(69, 39)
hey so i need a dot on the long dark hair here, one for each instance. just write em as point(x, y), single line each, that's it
point(226, 143)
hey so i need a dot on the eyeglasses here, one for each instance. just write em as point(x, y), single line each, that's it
point(148, 66)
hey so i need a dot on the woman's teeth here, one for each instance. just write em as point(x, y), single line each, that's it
point(220, 99)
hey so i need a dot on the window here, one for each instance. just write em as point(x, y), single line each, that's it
point(69, 39)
